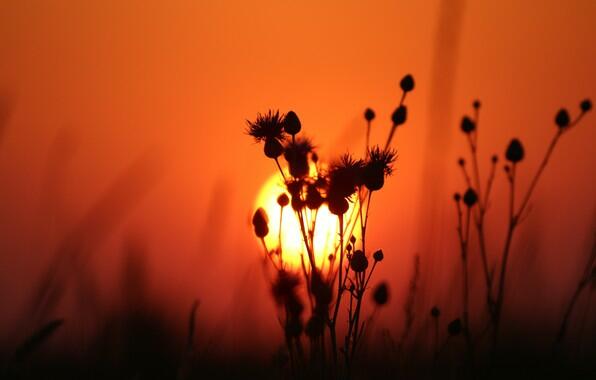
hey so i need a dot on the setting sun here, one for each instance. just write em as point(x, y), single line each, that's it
point(292, 244)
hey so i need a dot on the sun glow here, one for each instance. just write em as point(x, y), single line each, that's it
point(326, 234)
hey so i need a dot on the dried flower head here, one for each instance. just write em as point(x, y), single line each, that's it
point(399, 116)
point(344, 177)
point(260, 223)
point(314, 200)
point(470, 197)
point(379, 164)
point(515, 151)
point(291, 123)
point(381, 294)
point(273, 148)
point(296, 154)
point(407, 83)
point(562, 118)
point(585, 105)
point(267, 126)
point(378, 255)
point(369, 115)
point(338, 205)
point(359, 261)
point(467, 125)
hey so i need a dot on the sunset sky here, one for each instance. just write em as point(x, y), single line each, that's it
point(91, 88)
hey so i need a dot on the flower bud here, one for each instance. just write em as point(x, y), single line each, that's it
point(260, 223)
point(476, 104)
point(273, 148)
point(399, 116)
point(359, 262)
point(381, 294)
point(369, 115)
point(283, 200)
point(407, 83)
point(470, 197)
point(378, 255)
point(467, 125)
point(338, 205)
point(515, 151)
point(585, 105)
point(291, 123)
point(562, 118)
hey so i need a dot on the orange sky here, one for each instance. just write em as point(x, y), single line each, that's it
point(95, 85)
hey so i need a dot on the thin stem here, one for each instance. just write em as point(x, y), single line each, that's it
point(549, 152)
point(280, 169)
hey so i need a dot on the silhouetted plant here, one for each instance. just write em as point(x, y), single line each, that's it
point(347, 271)
point(478, 201)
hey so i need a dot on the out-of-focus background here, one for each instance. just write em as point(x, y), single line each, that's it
point(126, 175)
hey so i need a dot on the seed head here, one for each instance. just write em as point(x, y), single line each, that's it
point(260, 223)
point(562, 118)
point(470, 197)
point(407, 83)
point(369, 115)
point(585, 105)
point(515, 151)
point(381, 294)
point(283, 200)
point(467, 125)
point(435, 312)
point(291, 123)
point(359, 262)
point(378, 255)
point(314, 200)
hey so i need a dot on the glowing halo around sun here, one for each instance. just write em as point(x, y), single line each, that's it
point(326, 235)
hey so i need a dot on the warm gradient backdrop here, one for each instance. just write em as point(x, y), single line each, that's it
point(88, 88)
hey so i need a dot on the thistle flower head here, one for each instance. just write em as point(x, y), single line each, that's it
point(344, 177)
point(291, 123)
point(515, 151)
point(407, 83)
point(381, 294)
point(379, 164)
point(267, 126)
point(369, 115)
point(296, 153)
